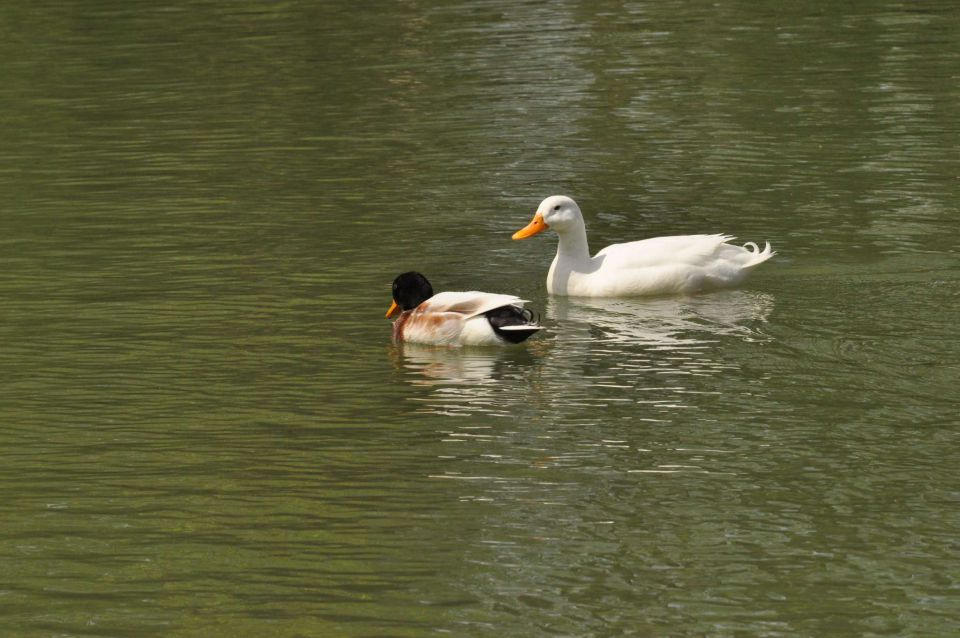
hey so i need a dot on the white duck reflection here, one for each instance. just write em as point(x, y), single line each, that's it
point(662, 321)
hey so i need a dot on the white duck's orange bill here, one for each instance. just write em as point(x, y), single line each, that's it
point(537, 225)
point(393, 309)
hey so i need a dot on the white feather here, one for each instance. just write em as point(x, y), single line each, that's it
point(470, 303)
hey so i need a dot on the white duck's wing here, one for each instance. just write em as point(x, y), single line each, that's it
point(467, 304)
point(678, 264)
point(693, 250)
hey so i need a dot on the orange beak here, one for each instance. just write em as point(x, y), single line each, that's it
point(531, 229)
point(394, 309)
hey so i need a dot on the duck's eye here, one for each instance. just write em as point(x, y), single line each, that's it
point(557, 207)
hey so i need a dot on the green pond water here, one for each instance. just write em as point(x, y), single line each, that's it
point(204, 427)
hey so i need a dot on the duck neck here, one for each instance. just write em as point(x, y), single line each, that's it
point(573, 244)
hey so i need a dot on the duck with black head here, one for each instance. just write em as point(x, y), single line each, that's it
point(457, 318)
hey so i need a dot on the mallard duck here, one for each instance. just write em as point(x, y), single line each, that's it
point(657, 266)
point(457, 318)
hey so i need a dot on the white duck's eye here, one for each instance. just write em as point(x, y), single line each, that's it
point(557, 207)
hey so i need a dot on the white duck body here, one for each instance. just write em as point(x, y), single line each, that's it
point(681, 264)
point(457, 318)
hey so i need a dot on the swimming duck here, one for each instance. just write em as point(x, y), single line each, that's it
point(658, 266)
point(457, 318)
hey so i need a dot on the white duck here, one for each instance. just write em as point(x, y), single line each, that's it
point(657, 266)
point(457, 318)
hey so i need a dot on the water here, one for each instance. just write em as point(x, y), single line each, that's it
point(207, 432)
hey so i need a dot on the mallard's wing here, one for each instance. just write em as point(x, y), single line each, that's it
point(467, 304)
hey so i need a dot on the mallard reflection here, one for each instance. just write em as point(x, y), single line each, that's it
point(433, 365)
point(463, 381)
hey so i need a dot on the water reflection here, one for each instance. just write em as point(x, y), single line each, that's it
point(598, 354)
point(665, 321)
point(437, 365)
point(468, 380)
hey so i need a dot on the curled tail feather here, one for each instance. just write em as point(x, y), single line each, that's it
point(760, 256)
point(513, 323)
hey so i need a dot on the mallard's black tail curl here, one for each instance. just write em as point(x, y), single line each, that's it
point(513, 323)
